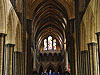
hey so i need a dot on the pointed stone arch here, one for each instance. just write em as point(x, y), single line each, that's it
point(18, 38)
point(3, 16)
point(89, 25)
point(11, 26)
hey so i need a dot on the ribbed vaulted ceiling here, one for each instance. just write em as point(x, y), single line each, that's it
point(49, 18)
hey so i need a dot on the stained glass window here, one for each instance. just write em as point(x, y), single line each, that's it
point(49, 43)
point(45, 44)
point(54, 44)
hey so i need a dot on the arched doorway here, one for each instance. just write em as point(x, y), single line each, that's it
point(50, 70)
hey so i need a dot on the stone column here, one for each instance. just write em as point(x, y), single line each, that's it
point(98, 41)
point(22, 63)
point(9, 59)
point(84, 62)
point(86, 55)
point(2, 42)
point(66, 61)
point(34, 62)
point(18, 60)
point(71, 46)
point(92, 47)
point(65, 57)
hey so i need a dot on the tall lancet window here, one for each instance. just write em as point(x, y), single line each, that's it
point(45, 44)
point(49, 43)
point(54, 44)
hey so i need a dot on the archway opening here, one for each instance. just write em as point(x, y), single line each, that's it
point(50, 70)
